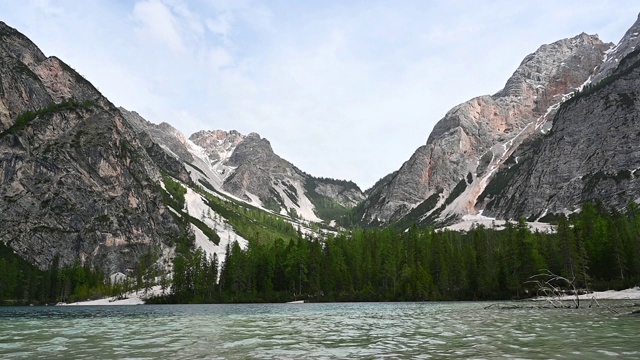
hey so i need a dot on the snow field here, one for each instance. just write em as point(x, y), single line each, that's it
point(197, 208)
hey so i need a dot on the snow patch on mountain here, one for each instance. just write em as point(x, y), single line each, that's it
point(197, 207)
point(470, 221)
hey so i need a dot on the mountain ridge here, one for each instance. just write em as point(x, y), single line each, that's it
point(475, 137)
point(595, 133)
point(246, 167)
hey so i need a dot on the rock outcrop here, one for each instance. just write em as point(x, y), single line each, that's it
point(75, 180)
point(248, 168)
point(444, 177)
point(592, 152)
point(164, 144)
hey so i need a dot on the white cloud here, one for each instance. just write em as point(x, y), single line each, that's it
point(221, 25)
point(220, 58)
point(157, 23)
point(341, 89)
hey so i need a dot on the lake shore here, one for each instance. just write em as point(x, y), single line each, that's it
point(626, 294)
point(138, 298)
point(131, 298)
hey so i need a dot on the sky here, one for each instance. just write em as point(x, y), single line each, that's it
point(342, 89)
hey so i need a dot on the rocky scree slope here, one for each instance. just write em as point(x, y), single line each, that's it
point(592, 152)
point(75, 180)
point(443, 178)
point(278, 184)
point(247, 168)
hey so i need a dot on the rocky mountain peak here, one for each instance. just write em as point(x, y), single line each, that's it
point(549, 66)
point(478, 135)
point(590, 154)
point(30, 81)
point(254, 149)
point(19, 45)
point(218, 144)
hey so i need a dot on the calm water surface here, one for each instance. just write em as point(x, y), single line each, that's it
point(319, 331)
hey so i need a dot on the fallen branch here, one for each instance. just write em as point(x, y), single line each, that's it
point(549, 286)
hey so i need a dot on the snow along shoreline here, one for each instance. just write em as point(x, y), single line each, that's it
point(132, 298)
point(627, 294)
point(138, 298)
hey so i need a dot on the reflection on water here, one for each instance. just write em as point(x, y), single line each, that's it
point(322, 331)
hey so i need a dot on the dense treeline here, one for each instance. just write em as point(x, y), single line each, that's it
point(21, 283)
point(598, 248)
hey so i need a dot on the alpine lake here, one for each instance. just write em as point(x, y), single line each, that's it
point(430, 330)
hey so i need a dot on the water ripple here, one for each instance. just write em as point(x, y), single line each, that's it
point(322, 331)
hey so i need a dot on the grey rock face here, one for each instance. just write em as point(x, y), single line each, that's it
point(75, 181)
point(257, 170)
point(164, 144)
point(218, 144)
point(341, 192)
point(591, 154)
point(475, 129)
point(30, 81)
point(629, 42)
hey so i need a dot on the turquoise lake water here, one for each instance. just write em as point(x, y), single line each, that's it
point(448, 330)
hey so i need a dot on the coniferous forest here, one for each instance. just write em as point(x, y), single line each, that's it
point(597, 248)
point(21, 283)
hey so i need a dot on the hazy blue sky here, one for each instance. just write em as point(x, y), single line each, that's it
point(342, 89)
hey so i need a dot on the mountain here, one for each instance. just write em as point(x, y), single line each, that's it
point(591, 153)
point(246, 168)
point(84, 181)
point(76, 182)
point(87, 183)
point(443, 178)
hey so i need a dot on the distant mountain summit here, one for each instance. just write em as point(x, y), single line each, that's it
point(443, 179)
point(246, 167)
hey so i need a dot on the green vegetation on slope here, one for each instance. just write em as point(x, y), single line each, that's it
point(25, 118)
point(413, 217)
point(325, 207)
point(248, 221)
point(176, 191)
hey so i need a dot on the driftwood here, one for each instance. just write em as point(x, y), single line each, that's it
point(550, 286)
point(554, 289)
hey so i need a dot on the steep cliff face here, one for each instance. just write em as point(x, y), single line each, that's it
point(444, 177)
point(31, 81)
point(75, 180)
point(591, 154)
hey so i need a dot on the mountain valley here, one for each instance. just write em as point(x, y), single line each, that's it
point(87, 184)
